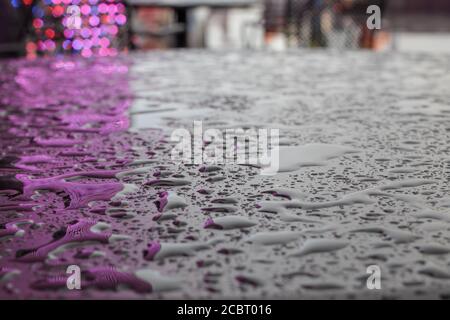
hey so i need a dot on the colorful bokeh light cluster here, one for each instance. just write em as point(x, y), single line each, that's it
point(98, 32)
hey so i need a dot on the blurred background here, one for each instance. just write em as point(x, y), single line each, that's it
point(89, 28)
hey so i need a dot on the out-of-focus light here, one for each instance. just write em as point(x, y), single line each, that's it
point(94, 10)
point(69, 33)
point(15, 3)
point(50, 33)
point(50, 45)
point(31, 46)
point(85, 32)
point(101, 21)
point(41, 45)
point(94, 21)
point(106, 19)
point(120, 8)
point(38, 23)
point(85, 9)
point(113, 30)
point(94, 42)
point(103, 29)
point(38, 12)
point(96, 32)
point(58, 11)
point(112, 9)
point(121, 19)
point(77, 44)
point(104, 42)
point(67, 44)
point(86, 53)
point(103, 52)
point(103, 8)
point(87, 43)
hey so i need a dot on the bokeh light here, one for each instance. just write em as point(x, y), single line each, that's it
point(98, 29)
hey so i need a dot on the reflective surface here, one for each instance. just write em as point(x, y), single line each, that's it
point(87, 177)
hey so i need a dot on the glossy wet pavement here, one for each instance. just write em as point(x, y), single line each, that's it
point(86, 176)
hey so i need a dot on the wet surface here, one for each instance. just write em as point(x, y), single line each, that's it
point(86, 177)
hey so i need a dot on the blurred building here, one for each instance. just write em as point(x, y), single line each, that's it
point(421, 25)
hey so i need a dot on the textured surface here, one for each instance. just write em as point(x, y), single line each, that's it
point(74, 133)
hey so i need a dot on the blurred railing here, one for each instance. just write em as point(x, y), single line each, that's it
point(326, 23)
